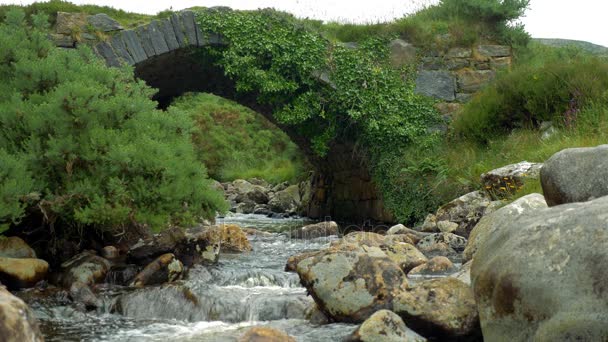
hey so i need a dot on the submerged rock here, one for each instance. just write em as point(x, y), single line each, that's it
point(82, 294)
point(265, 334)
point(17, 322)
point(316, 230)
point(542, 275)
point(351, 286)
point(441, 308)
point(165, 269)
point(22, 273)
point(384, 326)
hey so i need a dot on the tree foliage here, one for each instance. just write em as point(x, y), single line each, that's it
point(88, 141)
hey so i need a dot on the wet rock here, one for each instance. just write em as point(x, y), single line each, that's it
point(440, 308)
point(437, 265)
point(230, 237)
point(505, 181)
point(261, 209)
point(575, 175)
point(110, 252)
point(384, 326)
point(351, 286)
point(455, 242)
point(165, 269)
point(244, 208)
point(17, 322)
point(542, 275)
point(82, 295)
point(465, 211)
point(121, 274)
point(265, 334)
point(488, 224)
point(86, 267)
point(286, 201)
point(316, 230)
point(146, 250)
point(197, 249)
point(15, 247)
point(22, 273)
point(165, 302)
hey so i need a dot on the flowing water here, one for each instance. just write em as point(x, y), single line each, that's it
point(213, 304)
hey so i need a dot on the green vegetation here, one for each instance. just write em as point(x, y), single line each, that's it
point(449, 23)
point(236, 142)
point(83, 146)
point(50, 8)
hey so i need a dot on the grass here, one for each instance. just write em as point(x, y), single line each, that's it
point(235, 142)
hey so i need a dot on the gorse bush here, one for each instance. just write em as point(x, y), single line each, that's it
point(554, 91)
point(235, 142)
point(85, 143)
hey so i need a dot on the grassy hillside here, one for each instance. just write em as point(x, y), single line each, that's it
point(235, 142)
point(579, 44)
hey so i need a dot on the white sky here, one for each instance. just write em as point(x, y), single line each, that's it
point(580, 19)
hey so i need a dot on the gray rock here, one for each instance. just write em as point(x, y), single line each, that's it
point(500, 63)
point(316, 230)
point(384, 326)
point(459, 52)
point(438, 265)
point(103, 22)
point(165, 269)
point(464, 274)
point(488, 224)
point(575, 175)
point(147, 250)
point(471, 81)
point(465, 211)
point(82, 295)
point(402, 53)
point(454, 241)
point(506, 180)
point(178, 28)
point(441, 308)
point(86, 267)
point(169, 33)
point(542, 276)
point(190, 28)
point(145, 40)
point(437, 84)
point(134, 46)
point(157, 38)
point(351, 286)
point(62, 40)
point(286, 201)
point(245, 208)
point(18, 323)
point(15, 247)
point(105, 50)
point(494, 50)
point(120, 48)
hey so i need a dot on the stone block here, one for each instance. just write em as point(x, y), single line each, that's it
point(494, 50)
point(470, 81)
point(437, 84)
point(401, 53)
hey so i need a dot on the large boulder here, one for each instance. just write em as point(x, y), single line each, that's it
point(316, 230)
point(244, 191)
point(265, 334)
point(286, 201)
point(465, 211)
point(575, 175)
point(351, 286)
point(441, 308)
point(22, 273)
point(17, 322)
point(86, 267)
point(543, 276)
point(384, 326)
point(15, 247)
point(488, 224)
point(505, 181)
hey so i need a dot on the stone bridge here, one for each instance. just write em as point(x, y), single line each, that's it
point(164, 55)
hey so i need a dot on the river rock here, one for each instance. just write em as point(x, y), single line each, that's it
point(405, 255)
point(455, 242)
point(575, 175)
point(82, 295)
point(245, 207)
point(442, 308)
point(465, 211)
point(17, 323)
point(506, 180)
point(230, 237)
point(488, 224)
point(110, 252)
point(165, 269)
point(286, 201)
point(316, 230)
point(464, 274)
point(86, 267)
point(22, 273)
point(437, 265)
point(15, 247)
point(351, 286)
point(542, 275)
point(265, 334)
point(384, 326)
point(147, 250)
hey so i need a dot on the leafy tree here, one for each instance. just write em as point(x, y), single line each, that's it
point(88, 141)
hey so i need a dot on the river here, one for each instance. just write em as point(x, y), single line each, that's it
point(216, 303)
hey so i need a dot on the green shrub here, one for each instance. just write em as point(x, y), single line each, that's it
point(533, 93)
point(235, 142)
point(99, 153)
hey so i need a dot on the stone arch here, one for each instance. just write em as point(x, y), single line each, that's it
point(162, 54)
